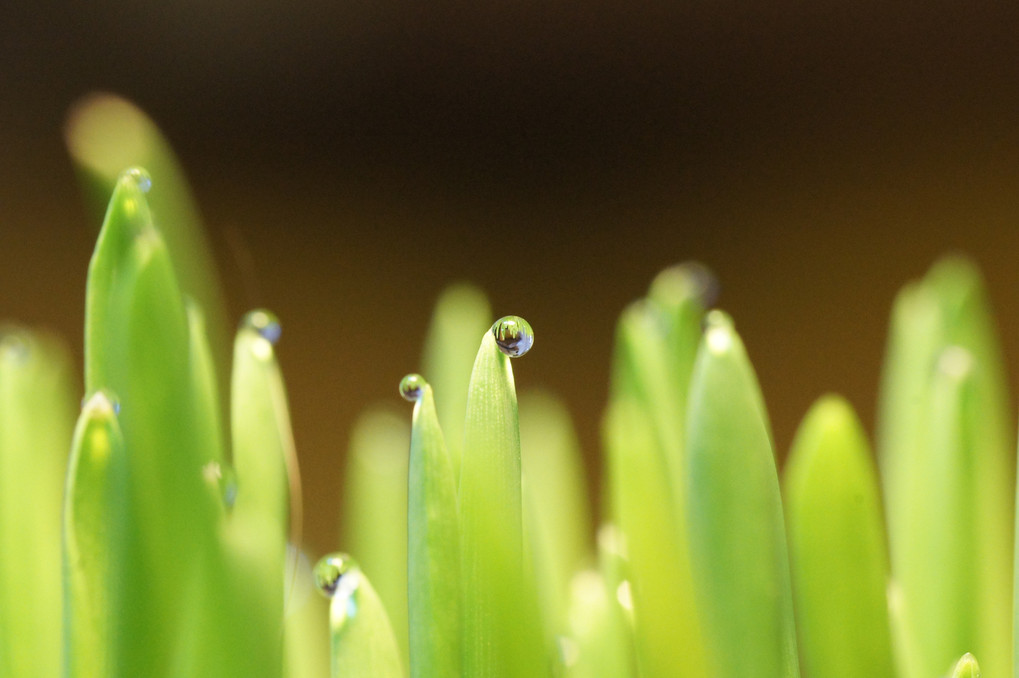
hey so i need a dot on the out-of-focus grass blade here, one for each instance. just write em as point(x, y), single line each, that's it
point(837, 547)
point(204, 387)
point(433, 549)
point(96, 554)
point(948, 307)
point(667, 634)
point(737, 531)
point(362, 638)
point(374, 517)
point(306, 638)
point(556, 512)
point(106, 134)
point(966, 667)
point(596, 644)
point(36, 417)
point(501, 635)
point(137, 346)
point(461, 314)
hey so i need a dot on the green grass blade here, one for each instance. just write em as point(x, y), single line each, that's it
point(362, 641)
point(106, 134)
point(498, 625)
point(667, 637)
point(737, 531)
point(433, 548)
point(556, 512)
point(36, 417)
point(461, 314)
point(837, 547)
point(96, 554)
point(966, 667)
point(205, 387)
point(374, 518)
point(596, 644)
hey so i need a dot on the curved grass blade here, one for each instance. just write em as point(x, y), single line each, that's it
point(306, 638)
point(837, 547)
point(374, 518)
point(96, 551)
point(500, 624)
point(36, 418)
point(966, 667)
point(461, 313)
point(433, 549)
point(737, 533)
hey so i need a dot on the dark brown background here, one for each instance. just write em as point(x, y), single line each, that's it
point(816, 155)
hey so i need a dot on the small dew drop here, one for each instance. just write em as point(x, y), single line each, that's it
point(412, 387)
point(265, 323)
point(139, 177)
point(514, 335)
point(337, 574)
point(105, 398)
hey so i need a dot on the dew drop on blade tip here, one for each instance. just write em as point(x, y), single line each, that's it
point(336, 573)
point(141, 179)
point(513, 335)
point(102, 398)
point(412, 387)
point(265, 323)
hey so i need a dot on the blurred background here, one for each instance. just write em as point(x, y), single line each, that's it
point(352, 158)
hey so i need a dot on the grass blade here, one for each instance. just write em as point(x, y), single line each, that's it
point(596, 644)
point(837, 547)
point(966, 667)
point(36, 417)
point(499, 629)
point(737, 531)
point(433, 547)
point(362, 641)
point(96, 550)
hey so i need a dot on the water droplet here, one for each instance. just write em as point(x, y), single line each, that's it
point(265, 323)
point(337, 574)
point(139, 177)
point(228, 486)
point(514, 335)
point(102, 398)
point(691, 278)
point(412, 387)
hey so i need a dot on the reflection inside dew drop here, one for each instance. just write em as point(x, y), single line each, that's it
point(139, 177)
point(336, 574)
point(412, 387)
point(513, 335)
point(265, 323)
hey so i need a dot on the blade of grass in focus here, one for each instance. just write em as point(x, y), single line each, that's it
point(500, 633)
point(433, 570)
point(461, 314)
point(96, 546)
point(36, 417)
point(362, 641)
point(555, 507)
point(737, 532)
point(374, 518)
point(837, 547)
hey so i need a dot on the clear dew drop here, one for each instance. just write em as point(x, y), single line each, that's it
point(412, 387)
point(514, 335)
point(337, 574)
point(139, 177)
point(265, 323)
